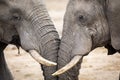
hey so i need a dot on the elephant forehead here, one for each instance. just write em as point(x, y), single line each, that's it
point(25, 5)
point(84, 6)
point(18, 3)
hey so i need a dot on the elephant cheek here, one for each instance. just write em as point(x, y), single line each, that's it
point(82, 44)
point(28, 41)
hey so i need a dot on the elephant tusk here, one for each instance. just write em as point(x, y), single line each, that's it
point(72, 63)
point(40, 59)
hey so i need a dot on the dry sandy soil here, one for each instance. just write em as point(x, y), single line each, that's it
point(96, 66)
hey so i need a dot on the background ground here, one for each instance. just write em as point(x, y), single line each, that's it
point(96, 66)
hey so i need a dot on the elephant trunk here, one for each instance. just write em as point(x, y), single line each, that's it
point(64, 57)
point(48, 39)
point(72, 49)
point(49, 50)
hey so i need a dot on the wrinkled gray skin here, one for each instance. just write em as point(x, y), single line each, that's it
point(29, 21)
point(87, 25)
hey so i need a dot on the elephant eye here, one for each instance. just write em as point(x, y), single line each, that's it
point(82, 19)
point(16, 16)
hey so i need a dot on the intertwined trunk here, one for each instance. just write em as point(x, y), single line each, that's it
point(64, 57)
point(49, 50)
point(48, 38)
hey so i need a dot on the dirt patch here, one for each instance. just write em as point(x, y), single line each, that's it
point(94, 67)
point(22, 66)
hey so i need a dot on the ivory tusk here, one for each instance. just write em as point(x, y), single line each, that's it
point(72, 63)
point(40, 59)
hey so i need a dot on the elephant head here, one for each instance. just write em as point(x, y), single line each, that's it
point(87, 24)
point(27, 22)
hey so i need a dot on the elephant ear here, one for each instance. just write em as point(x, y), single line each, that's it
point(113, 15)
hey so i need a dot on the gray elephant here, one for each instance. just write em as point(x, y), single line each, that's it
point(27, 23)
point(87, 24)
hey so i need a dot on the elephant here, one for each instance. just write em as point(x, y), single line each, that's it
point(88, 24)
point(27, 23)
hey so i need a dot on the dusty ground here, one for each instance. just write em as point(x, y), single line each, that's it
point(96, 66)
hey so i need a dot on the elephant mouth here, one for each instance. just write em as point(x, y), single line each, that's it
point(33, 53)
